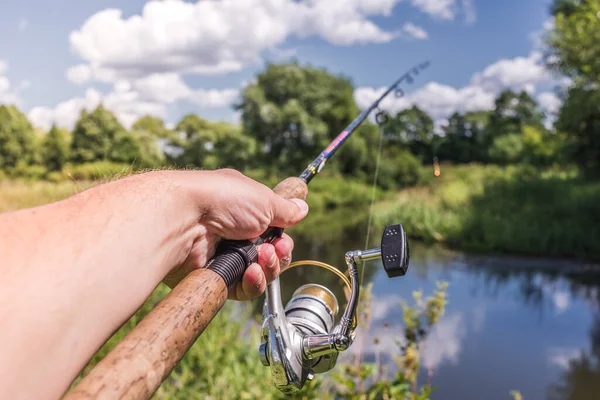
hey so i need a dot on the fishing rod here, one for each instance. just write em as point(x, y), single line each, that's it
point(298, 341)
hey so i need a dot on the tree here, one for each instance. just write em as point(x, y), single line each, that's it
point(191, 125)
point(17, 138)
point(579, 117)
point(412, 128)
point(574, 51)
point(464, 138)
point(94, 136)
point(55, 149)
point(214, 144)
point(152, 126)
point(512, 111)
point(294, 111)
point(507, 149)
point(573, 43)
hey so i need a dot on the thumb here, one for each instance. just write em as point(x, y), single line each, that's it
point(286, 213)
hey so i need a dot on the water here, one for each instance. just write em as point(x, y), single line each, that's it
point(510, 324)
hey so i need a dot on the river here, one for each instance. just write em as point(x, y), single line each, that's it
point(511, 323)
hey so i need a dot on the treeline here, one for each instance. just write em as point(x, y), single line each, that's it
point(291, 112)
point(288, 116)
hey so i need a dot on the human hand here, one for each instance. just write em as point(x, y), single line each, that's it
point(234, 206)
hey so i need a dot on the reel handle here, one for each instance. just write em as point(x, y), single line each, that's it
point(147, 355)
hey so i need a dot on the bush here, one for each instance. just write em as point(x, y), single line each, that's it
point(56, 177)
point(29, 171)
point(96, 170)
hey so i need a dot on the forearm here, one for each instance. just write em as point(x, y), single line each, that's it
point(91, 261)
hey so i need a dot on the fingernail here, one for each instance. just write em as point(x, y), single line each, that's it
point(284, 262)
point(301, 204)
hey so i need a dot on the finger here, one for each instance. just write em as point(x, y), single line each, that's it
point(252, 285)
point(284, 246)
point(267, 259)
point(286, 213)
point(253, 282)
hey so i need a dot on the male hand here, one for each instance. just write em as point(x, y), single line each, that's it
point(234, 206)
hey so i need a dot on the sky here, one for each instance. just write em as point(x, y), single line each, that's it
point(172, 57)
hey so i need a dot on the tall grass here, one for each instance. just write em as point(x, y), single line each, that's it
point(485, 208)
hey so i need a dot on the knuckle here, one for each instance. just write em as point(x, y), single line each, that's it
point(230, 171)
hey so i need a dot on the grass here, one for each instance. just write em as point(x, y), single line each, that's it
point(510, 210)
point(18, 194)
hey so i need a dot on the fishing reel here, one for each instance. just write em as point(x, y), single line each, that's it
point(302, 340)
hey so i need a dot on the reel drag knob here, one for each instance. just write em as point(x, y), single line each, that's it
point(394, 251)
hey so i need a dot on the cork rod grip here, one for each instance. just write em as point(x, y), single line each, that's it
point(147, 355)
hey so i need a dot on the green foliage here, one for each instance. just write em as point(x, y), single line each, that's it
point(124, 148)
point(361, 380)
point(464, 138)
point(542, 147)
point(293, 112)
point(579, 118)
point(17, 138)
point(95, 135)
point(511, 210)
point(507, 149)
point(55, 149)
point(96, 171)
point(516, 395)
point(223, 363)
point(31, 172)
point(152, 126)
point(213, 145)
point(149, 152)
point(413, 129)
point(573, 43)
point(511, 113)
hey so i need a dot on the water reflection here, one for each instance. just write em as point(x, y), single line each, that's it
point(511, 323)
point(581, 377)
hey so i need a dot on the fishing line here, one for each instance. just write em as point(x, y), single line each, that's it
point(373, 194)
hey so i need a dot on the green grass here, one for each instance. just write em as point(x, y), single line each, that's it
point(511, 210)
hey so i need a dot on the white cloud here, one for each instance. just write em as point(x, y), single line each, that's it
point(562, 356)
point(549, 102)
point(209, 37)
point(79, 73)
point(8, 93)
point(468, 7)
point(444, 341)
point(23, 25)
point(561, 300)
point(517, 73)
point(214, 37)
point(214, 98)
point(66, 113)
point(130, 100)
point(440, 100)
point(414, 31)
point(444, 9)
point(166, 87)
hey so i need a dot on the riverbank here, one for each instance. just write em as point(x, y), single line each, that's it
point(474, 208)
point(502, 210)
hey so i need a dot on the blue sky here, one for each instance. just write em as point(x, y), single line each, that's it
point(169, 58)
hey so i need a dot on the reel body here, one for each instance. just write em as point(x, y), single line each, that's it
point(302, 340)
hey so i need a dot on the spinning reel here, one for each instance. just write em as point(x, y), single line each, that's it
point(300, 340)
